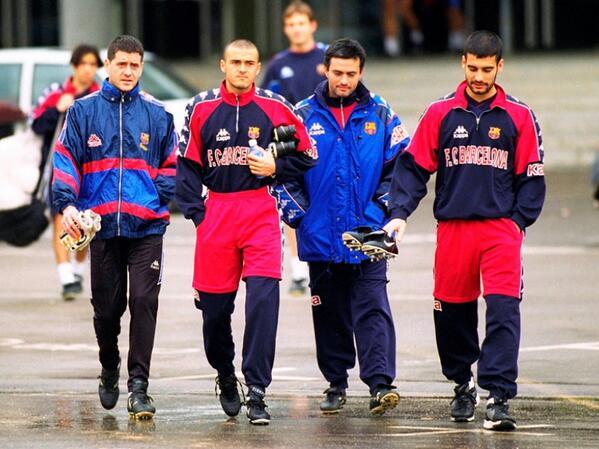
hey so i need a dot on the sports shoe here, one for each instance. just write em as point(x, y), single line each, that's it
point(297, 287)
point(334, 400)
point(384, 398)
point(464, 402)
point(71, 290)
point(379, 245)
point(353, 239)
point(139, 404)
point(256, 408)
point(229, 395)
point(596, 198)
point(108, 388)
point(498, 417)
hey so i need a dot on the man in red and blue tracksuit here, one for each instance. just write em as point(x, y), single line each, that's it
point(485, 147)
point(238, 232)
point(358, 137)
point(116, 155)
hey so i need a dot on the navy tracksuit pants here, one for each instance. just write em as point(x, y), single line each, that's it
point(350, 301)
point(259, 338)
point(457, 342)
point(113, 262)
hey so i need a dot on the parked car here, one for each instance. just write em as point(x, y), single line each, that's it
point(26, 72)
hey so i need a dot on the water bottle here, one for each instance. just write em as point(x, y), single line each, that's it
point(256, 151)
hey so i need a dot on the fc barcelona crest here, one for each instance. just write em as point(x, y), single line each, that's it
point(494, 133)
point(253, 132)
point(370, 128)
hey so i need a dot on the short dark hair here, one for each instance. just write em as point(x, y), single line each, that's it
point(298, 7)
point(483, 44)
point(80, 51)
point(126, 43)
point(345, 48)
point(242, 43)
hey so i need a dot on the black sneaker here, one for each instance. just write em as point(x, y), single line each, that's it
point(334, 400)
point(229, 395)
point(353, 239)
point(139, 404)
point(256, 408)
point(383, 399)
point(379, 246)
point(108, 389)
point(596, 198)
point(297, 287)
point(498, 417)
point(464, 402)
point(71, 290)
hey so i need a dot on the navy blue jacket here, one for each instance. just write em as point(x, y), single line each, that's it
point(295, 75)
point(349, 186)
point(214, 144)
point(490, 166)
point(116, 155)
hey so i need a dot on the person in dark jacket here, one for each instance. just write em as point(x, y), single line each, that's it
point(486, 149)
point(238, 232)
point(116, 155)
point(358, 137)
point(47, 117)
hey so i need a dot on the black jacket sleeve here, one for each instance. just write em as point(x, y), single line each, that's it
point(188, 190)
point(408, 186)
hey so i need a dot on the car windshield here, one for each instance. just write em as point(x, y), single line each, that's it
point(10, 81)
point(160, 83)
point(45, 75)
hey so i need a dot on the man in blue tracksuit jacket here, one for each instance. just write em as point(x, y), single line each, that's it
point(116, 155)
point(358, 138)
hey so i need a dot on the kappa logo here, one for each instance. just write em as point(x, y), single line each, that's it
point(155, 265)
point(437, 306)
point(223, 135)
point(460, 133)
point(144, 140)
point(316, 129)
point(94, 141)
point(315, 301)
point(253, 132)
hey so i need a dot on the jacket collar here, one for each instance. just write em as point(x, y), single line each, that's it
point(68, 87)
point(232, 99)
point(460, 100)
point(113, 95)
point(361, 96)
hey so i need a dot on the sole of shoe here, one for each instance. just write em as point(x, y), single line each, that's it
point(377, 252)
point(260, 422)
point(462, 419)
point(141, 416)
point(297, 293)
point(388, 402)
point(331, 412)
point(500, 426)
point(71, 296)
point(351, 242)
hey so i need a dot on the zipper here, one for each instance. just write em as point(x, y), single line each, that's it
point(342, 113)
point(477, 117)
point(237, 114)
point(118, 212)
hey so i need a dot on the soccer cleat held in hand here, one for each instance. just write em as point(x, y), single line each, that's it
point(90, 224)
point(355, 238)
point(380, 246)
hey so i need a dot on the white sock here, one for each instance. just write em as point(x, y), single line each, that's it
point(456, 40)
point(79, 268)
point(299, 269)
point(65, 273)
point(416, 37)
point(392, 45)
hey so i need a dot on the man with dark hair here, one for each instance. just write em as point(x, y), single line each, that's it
point(116, 155)
point(486, 149)
point(358, 137)
point(47, 117)
point(238, 233)
point(294, 73)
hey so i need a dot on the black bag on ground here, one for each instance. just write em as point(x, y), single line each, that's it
point(23, 225)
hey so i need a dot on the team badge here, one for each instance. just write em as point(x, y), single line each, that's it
point(144, 140)
point(370, 128)
point(437, 306)
point(253, 132)
point(94, 141)
point(494, 133)
point(315, 300)
point(313, 150)
point(399, 133)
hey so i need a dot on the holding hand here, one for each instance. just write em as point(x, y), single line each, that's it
point(64, 102)
point(396, 228)
point(71, 223)
point(263, 165)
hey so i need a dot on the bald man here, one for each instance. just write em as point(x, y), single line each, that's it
point(238, 233)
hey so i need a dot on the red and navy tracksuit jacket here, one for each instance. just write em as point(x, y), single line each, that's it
point(45, 115)
point(116, 155)
point(488, 166)
point(214, 144)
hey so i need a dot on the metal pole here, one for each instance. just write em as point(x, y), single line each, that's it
point(7, 24)
point(261, 19)
point(228, 22)
point(23, 23)
point(548, 23)
point(134, 18)
point(506, 25)
point(530, 24)
point(205, 33)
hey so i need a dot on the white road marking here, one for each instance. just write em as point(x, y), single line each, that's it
point(584, 346)
point(427, 430)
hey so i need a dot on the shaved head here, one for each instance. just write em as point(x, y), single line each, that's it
point(241, 44)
